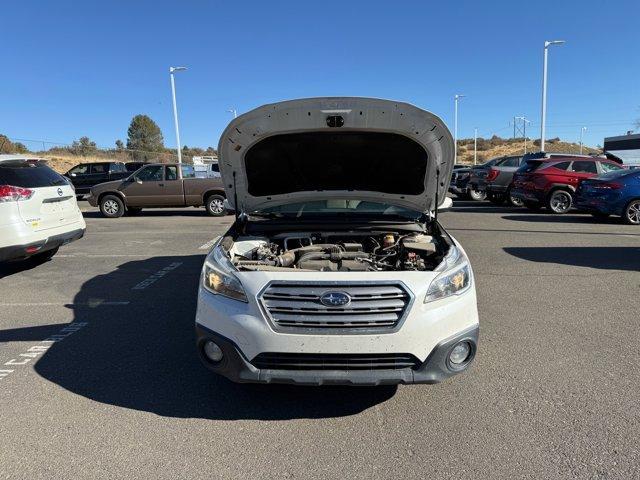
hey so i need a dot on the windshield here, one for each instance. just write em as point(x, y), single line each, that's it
point(339, 207)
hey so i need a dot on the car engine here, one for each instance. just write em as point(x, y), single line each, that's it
point(338, 252)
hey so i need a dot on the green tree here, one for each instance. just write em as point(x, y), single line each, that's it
point(145, 137)
point(83, 146)
point(119, 145)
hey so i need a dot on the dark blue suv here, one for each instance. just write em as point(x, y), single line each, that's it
point(613, 193)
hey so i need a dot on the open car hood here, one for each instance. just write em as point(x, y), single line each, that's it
point(341, 148)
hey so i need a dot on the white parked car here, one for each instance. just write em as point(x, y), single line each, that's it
point(38, 209)
point(336, 270)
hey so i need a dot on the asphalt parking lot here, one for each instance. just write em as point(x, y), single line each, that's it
point(121, 394)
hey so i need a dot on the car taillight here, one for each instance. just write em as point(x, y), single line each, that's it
point(607, 186)
point(492, 175)
point(9, 193)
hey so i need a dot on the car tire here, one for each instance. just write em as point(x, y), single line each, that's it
point(559, 202)
point(513, 201)
point(632, 212)
point(111, 206)
point(133, 211)
point(497, 198)
point(215, 205)
point(533, 206)
point(476, 195)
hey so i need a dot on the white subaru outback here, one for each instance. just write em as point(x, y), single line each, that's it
point(336, 270)
point(38, 210)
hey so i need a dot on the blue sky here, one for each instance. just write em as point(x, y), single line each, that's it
point(85, 68)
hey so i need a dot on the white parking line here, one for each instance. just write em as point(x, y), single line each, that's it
point(37, 350)
point(156, 276)
point(97, 303)
point(209, 244)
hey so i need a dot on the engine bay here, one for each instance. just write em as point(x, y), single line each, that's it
point(338, 251)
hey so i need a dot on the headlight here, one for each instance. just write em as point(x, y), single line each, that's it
point(217, 276)
point(454, 279)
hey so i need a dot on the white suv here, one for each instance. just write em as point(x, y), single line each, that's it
point(38, 209)
point(336, 270)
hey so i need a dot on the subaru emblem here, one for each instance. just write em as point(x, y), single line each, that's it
point(335, 299)
point(59, 192)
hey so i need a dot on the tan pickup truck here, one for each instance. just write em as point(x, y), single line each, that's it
point(159, 185)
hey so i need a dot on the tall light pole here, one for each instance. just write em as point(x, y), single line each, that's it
point(582, 130)
point(547, 44)
point(175, 108)
point(455, 127)
point(475, 145)
point(234, 111)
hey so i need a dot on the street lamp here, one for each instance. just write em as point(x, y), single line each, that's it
point(547, 44)
point(455, 127)
point(475, 145)
point(233, 110)
point(582, 130)
point(175, 108)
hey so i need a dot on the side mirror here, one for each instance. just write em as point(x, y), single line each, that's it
point(138, 181)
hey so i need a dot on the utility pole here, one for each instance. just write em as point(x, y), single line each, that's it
point(547, 44)
point(475, 145)
point(582, 130)
point(175, 108)
point(522, 130)
point(234, 111)
point(456, 98)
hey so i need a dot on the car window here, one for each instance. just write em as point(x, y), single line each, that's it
point(152, 173)
point(610, 167)
point(511, 162)
point(79, 170)
point(530, 166)
point(582, 166)
point(215, 167)
point(562, 165)
point(29, 175)
point(171, 172)
point(98, 168)
point(188, 171)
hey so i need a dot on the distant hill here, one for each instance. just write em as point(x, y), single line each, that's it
point(498, 147)
point(62, 160)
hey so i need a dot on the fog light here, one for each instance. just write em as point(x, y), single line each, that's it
point(460, 353)
point(212, 351)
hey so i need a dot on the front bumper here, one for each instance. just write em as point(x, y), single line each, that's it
point(20, 251)
point(236, 367)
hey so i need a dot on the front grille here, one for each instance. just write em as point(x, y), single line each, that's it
point(298, 306)
point(315, 361)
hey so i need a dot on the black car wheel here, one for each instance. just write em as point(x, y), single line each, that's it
point(516, 202)
point(476, 195)
point(560, 201)
point(215, 205)
point(111, 206)
point(632, 213)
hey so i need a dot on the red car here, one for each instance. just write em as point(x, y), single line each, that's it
point(552, 183)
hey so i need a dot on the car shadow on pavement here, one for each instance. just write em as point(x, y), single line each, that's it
point(607, 258)
point(184, 212)
point(13, 267)
point(142, 355)
point(567, 218)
